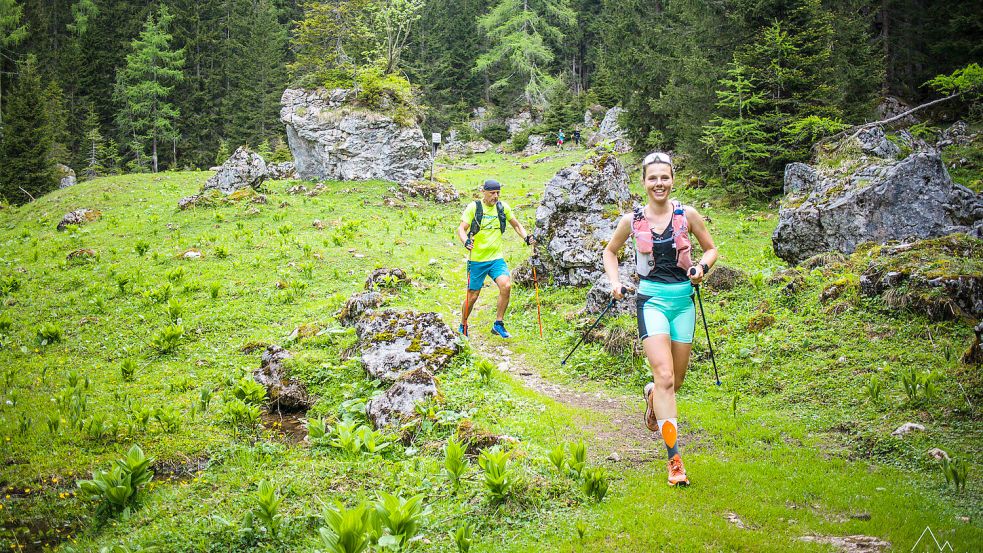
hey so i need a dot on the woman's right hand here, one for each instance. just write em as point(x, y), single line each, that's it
point(616, 290)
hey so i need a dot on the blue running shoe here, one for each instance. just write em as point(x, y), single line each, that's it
point(462, 330)
point(499, 328)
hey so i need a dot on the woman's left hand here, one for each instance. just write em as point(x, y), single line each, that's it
point(695, 274)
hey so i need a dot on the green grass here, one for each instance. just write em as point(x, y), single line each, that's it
point(805, 449)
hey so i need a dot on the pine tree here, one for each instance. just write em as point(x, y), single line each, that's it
point(26, 172)
point(12, 33)
point(145, 85)
point(93, 143)
point(738, 140)
point(58, 119)
point(259, 79)
point(331, 41)
point(521, 33)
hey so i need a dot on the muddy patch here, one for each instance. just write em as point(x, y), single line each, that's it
point(36, 535)
point(287, 427)
point(179, 468)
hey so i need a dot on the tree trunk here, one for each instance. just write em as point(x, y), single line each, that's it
point(154, 157)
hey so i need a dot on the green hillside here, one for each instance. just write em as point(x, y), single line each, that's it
point(132, 343)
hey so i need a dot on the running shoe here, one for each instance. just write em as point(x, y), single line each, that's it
point(462, 330)
point(677, 474)
point(499, 328)
point(650, 419)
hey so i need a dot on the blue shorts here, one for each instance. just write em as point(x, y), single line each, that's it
point(666, 309)
point(480, 269)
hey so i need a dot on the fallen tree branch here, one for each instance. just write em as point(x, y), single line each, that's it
point(859, 128)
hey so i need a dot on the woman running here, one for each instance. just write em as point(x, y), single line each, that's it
point(666, 313)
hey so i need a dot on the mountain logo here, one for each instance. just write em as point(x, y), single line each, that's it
point(928, 530)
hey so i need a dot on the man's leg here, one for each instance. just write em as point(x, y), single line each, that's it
point(504, 283)
point(472, 298)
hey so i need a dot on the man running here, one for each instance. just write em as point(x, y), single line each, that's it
point(483, 234)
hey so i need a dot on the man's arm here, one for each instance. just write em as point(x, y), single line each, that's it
point(521, 231)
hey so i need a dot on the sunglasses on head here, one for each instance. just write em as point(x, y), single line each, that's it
point(657, 157)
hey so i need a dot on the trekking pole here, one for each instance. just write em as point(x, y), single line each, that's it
point(601, 316)
point(703, 314)
point(535, 281)
point(467, 290)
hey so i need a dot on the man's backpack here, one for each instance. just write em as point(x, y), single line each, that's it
point(479, 212)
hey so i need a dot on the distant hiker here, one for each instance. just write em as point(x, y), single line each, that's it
point(665, 309)
point(559, 139)
point(482, 231)
point(576, 137)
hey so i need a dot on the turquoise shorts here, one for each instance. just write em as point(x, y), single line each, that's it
point(666, 309)
point(480, 269)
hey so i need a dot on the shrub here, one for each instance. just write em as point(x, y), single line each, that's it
point(118, 490)
point(595, 482)
point(347, 529)
point(498, 475)
point(249, 391)
point(49, 333)
point(401, 517)
point(454, 462)
point(495, 133)
point(167, 339)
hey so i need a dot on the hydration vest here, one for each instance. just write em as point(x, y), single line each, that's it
point(479, 212)
point(645, 239)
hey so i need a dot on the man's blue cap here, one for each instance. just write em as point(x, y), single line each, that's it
point(492, 184)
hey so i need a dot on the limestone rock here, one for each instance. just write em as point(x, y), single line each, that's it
point(393, 342)
point(519, 122)
point(188, 201)
point(331, 138)
point(283, 391)
point(386, 278)
point(436, 192)
point(723, 278)
point(359, 304)
point(873, 142)
point(851, 544)
point(244, 169)
point(66, 176)
point(956, 135)
point(610, 130)
point(892, 106)
point(398, 403)
point(79, 217)
point(907, 428)
point(281, 171)
point(874, 199)
point(600, 293)
point(580, 209)
point(536, 144)
point(937, 454)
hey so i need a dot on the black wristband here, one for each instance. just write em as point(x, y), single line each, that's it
point(528, 238)
point(706, 268)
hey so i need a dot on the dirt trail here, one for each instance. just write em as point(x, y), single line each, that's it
point(614, 421)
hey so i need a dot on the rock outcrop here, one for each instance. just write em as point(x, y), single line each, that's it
point(66, 176)
point(358, 305)
point(393, 342)
point(244, 169)
point(610, 130)
point(872, 197)
point(398, 403)
point(281, 171)
point(283, 391)
point(535, 145)
point(331, 138)
point(519, 122)
point(580, 208)
point(79, 217)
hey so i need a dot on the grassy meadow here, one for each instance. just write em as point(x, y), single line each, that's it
point(133, 343)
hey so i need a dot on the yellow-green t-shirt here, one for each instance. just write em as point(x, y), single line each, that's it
point(488, 243)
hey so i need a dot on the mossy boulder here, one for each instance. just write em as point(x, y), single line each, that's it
point(398, 403)
point(283, 391)
point(393, 342)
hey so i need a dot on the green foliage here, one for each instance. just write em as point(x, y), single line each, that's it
point(402, 518)
point(239, 414)
point(346, 530)
point(317, 430)
point(595, 482)
point(266, 508)
point(145, 85)
point(463, 537)
point(521, 35)
point(956, 471)
point(386, 92)
point(499, 476)
point(485, 368)
point(558, 457)
point(222, 154)
point(118, 490)
point(967, 81)
point(495, 133)
point(167, 339)
point(128, 369)
point(25, 150)
point(578, 457)
point(455, 463)
point(873, 390)
point(175, 308)
point(249, 391)
point(49, 333)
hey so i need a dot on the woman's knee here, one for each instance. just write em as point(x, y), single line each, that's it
point(663, 376)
